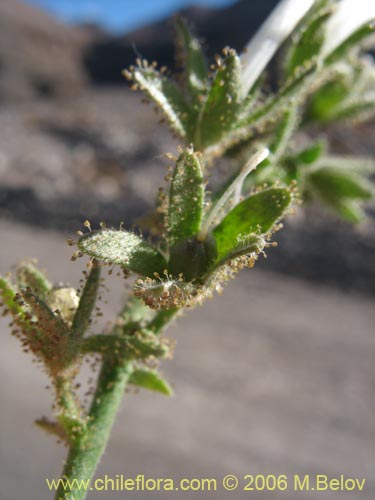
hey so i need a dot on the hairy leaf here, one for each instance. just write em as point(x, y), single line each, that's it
point(191, 258)
point(283, 132)
point(222, 105)
point(30, 276)
point(8, 296)
point(348, 210)
point(166, 95)
point(124, 248)
point(192, 60)
point(48, 321)
point(309, 41)
point(256, 214)
point(312, 153)
point(139, 345)
point(323, 104)
point(150, 379)
point(280, 101)
point(186, 198)
point(335, 183)
point(352, 42)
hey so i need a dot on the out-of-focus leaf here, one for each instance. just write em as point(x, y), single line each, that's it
point(30, 276)
point(308, 42)
point(348, 210)
point(256, 214)
point(312, 153)
point(323, 104)
point(186, 198)
point(283, 132)
point(193, 60)
point(281, 101)
point(123, 248)
point(352, 42)
point(359, 110)
point(335, 183)
point(151, 380)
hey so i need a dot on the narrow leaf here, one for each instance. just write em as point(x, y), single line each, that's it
point(124, 248)
point(139, 345)
point(354, 41)
point(336, 183)
point(256, 214)
point(312, 153)
point(348, 210)
point(48, 321)
point(9, 298)
point(219, 112)
point(165, 94)
point(150, 379)
point(186, 198)
point(323, 104)
point(360, 110)
point(281, 101)
point(29, 276)
point(192, 60)
point(309, 41)
point(283, 132)
point(232, 188)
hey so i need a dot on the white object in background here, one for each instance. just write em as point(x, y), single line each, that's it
point(349, 16)
point(277, 27)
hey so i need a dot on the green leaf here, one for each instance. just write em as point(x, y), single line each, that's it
point(133, 314)
point(312, 153)
point(348, 210)
point(322, 105)
point(352, 42)
point(256, 214)
point(353, 164)
point(191, 258)
point(245, 245)
point(309, 41)
point(335, 183)
point(29, 276)
point(140, 344)
point(186, 198)
point(219, 112)
point(124, 248)
point(283, 132)
point(360, 110)
point(192, 58)
point(281, 101)
point(48, 321)
point(150, 379)
point(165, 94)
point(9, 298)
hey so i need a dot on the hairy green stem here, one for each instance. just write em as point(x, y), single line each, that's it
point(87, 449)
point(161, 319)
point(85, 453)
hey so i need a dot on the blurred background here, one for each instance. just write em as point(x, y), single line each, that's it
point(276, 376)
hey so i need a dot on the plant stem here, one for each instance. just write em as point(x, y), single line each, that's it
point(85, 453)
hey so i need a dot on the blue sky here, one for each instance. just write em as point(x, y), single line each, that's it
point(118, 15)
